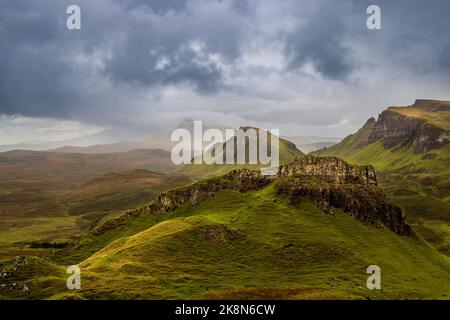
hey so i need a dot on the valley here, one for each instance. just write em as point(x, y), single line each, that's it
point(51, 198)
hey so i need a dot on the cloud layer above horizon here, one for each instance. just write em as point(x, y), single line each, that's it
point(306, 67)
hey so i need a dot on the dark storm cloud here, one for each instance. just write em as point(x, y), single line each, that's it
point(175, 48)
point(139, 45)
point(415, 33)
point(412, 35)
point(132, 48)
point(33, 67)
point(444, 58)
point(158, 6)
point(319, 42)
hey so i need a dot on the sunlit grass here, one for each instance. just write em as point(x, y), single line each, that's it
point(255, 245)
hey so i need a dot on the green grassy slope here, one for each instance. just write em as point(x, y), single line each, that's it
point(437, 118)
point(44, 278)
point(287, 151)
point(254, 245)
point(419, 183)
point(349, 144)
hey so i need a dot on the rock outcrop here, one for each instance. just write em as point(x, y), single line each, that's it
point(332, 182)
point(365, 203)
point(328, 182)
point(331, 169)
point(9, 273)
point(238, 180)
point(396, 129)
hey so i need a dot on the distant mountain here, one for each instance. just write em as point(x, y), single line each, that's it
point(22, 146)
point(308, 144)
point(287, 153)
point(410, 148)
point(311, 147)
point(303, 140)
point(156, 141)
point(104, 137)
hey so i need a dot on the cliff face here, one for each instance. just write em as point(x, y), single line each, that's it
point(328, 182)
point(396, 129)
point(365, 203)
point(332, 182)
point(333, 170)
point(238, 180)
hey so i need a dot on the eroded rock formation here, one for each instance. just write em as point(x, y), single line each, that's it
point(328, 182)
point(396, 129)
point(238, 180)
point(331, 169)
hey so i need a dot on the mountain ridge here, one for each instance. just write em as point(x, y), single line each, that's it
point(287, 152)
point(411, 152)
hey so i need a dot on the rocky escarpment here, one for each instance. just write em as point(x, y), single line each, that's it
point(333, 170)
point(365, 203)
point(328, 182)
point(397, 129)
point(238, 180)
point(332, 182)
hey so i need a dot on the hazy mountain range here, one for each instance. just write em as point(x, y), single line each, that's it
point(102, 142)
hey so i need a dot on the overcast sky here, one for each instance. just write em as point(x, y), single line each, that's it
point(305, 67)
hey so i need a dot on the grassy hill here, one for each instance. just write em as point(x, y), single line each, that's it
point(287, 151)
point(437, 118)
point(418, 181)
point(248, 246)
point(351, 143)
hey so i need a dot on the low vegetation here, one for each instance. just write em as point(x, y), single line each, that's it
point(247, 245)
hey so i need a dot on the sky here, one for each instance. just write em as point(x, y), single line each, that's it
point(142, 66)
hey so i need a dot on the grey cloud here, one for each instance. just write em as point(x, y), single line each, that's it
point(301, 117)
point(41, 75)
point(444, 59)
point(157, 51)
point(414, 34)
point(319, 42)
point(129, 51)
point(158, 6)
